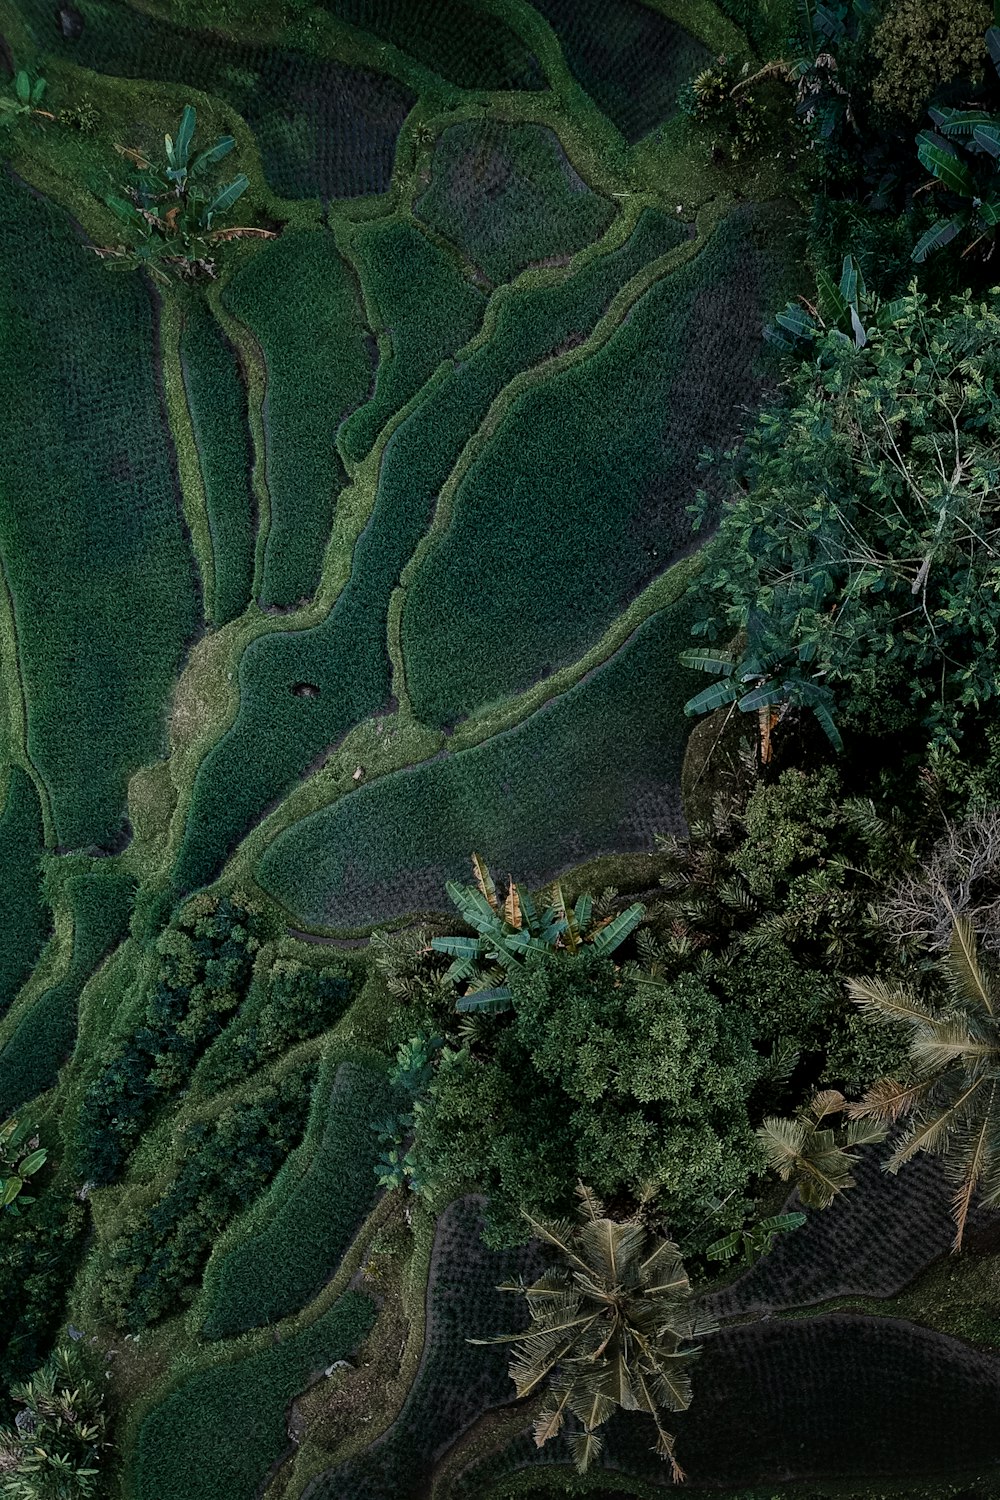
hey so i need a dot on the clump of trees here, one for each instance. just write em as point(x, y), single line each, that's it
point(55, 1448)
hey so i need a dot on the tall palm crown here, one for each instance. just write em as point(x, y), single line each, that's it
point(952, 1098)
point(611, 1327)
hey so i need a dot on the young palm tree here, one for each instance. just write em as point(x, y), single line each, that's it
point(953, 1096)
point(815, 1155)
point(611, 1327)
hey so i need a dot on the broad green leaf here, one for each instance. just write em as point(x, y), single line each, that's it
point(704, 660)
point(38, 91)
point(832, 302)
point(989, 212)
point(22, 86)
point(959, 122)
point(185, 135)
point(227, 196)
point(945, 164)
point(485, 1002)
point(993, 45)
point(988, 136)
point(32, 1163)
point(940, 234)
point(212, 155)
point(610, 937)
point(713, 697)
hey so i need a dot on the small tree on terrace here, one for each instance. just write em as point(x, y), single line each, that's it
point(612, 1326)
point(952, 1100)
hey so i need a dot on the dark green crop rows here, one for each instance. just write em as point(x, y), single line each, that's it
point(96, 553)
point(425, 310)
point(219, 1432)
point(276, 1269)
point(24, 920)
point(509, 196)
point(299, 302)
point(631, 60)
point(44, 1039)
point(593, 771)
point(457, 1380)
point(277, 734)
point(581, 496)
point(218, 404)
point(459, 41)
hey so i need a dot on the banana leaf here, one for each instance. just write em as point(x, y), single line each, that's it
point(959, 122)
point(608, 938)
point(989, 212)
point(227, 196)
point(940, 234)
point(22, 87)
point(993, 45)
point(32, 1163)
point(945, 164)
point(485, 1002)
point(988, 136)
point(713, 697)
point(703, 660)
point(212, 155)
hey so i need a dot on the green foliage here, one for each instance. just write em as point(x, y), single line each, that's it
point(24, 919)
point(503, 796)
point(951, 1091)
point(817, 1157)
point(874, 586)
point(287, 1004)
point(297, 298)
point(39, 1253)
point(630, 59)
point(294, 1238)
point(186, 1448)
point(21, 1157)
point(204, 961)
point(512, 931)
point(611, 1327)
point(218, 404)
point(155, 1260)
point(56, 1446)
point(580, 497)
point(169, 213)
point(89, 515)
point(410, 1078)
point(508, 196)
point(44, 1038)
point(752, 1243)
point(424, 310)
point(922, 44)
point(25, 100)
point(640, 1086)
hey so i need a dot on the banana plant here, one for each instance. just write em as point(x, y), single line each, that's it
point(508, 930)
point(26, 99)
point(963, 155)
point(170, 212)
point(767, 683)
point(20, 1158)
point(845, 308)
point(752, 1244)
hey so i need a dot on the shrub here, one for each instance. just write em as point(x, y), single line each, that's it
point(155, 1260)
point(204, 962)
point(922, 44)
point(55, 1447)
point(39, 1253)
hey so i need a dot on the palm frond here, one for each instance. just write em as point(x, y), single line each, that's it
point(966, 971)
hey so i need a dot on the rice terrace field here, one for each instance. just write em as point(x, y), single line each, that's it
point(498, 638)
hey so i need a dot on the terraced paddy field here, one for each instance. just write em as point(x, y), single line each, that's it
point(367, 550)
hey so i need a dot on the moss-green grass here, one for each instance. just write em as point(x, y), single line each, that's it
point(581, 495)
point(30, 1061)
point(219, 1432)
point(294, 1237)
point(97, 559)
point(24, 918)
point(594, 770)
point(299, 301)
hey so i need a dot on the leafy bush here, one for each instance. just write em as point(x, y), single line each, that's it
point(31, 1059)
point(290, 1003)
point(156, 1258)
point(922, 44)
point(39, 1253)
point(630, 1084)
point(24, 920)
point(296, 1237)
point(55, 1447)
point(508, 195)
point(297, 299)
point(878, 583)
point(88, 515)
point(186, 1448)
point(204, 963)
point(218, 404)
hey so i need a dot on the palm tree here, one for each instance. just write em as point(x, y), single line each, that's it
point(952, 1098)
point(611, 1327)
point(818, 1157)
